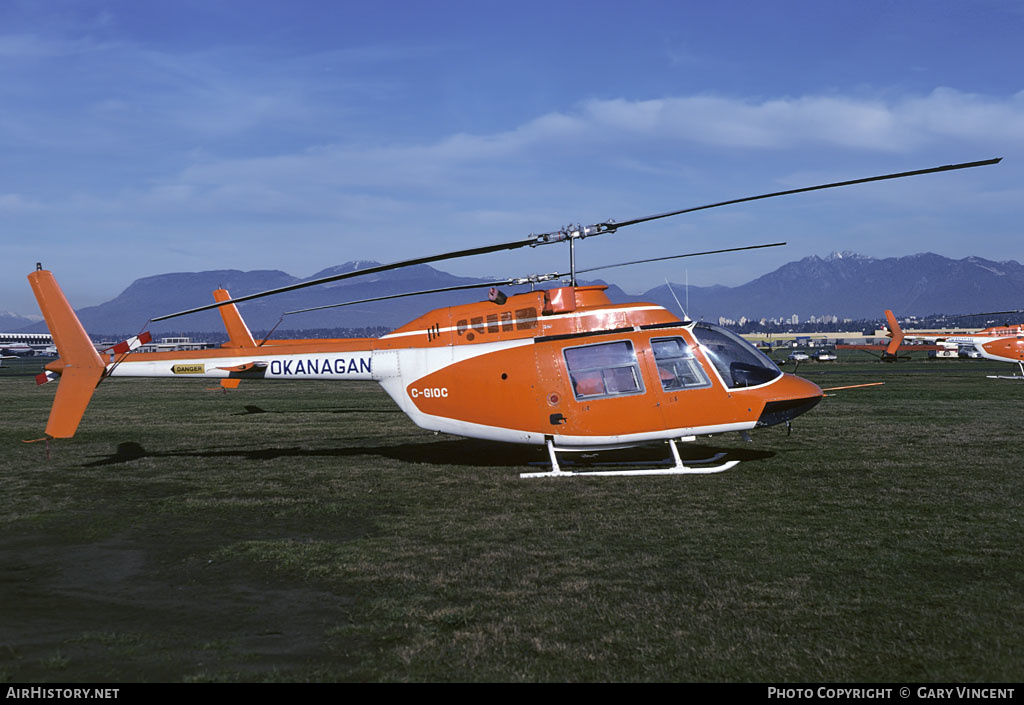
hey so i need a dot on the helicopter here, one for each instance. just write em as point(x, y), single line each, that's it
point(1000, 343)
point(891, 351)
point(562, 367)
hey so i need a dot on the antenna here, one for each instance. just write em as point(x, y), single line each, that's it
point(686, 316)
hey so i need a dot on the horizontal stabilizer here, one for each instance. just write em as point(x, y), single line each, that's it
point(247, 367)
point(44, 377)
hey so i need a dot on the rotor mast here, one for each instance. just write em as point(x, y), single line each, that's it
point(572, 233)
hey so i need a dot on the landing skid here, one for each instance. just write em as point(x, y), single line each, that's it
point(1020, 376)
point(678, 469)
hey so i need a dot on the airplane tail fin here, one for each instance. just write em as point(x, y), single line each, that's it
point(80, 367)
point(895, 331)
point(239, 335)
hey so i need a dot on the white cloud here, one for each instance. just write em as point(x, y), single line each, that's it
point(821, 122)
point(34, 46)
point(949, 113)
point(16, 203)
point(828, 120)
point(527, 165)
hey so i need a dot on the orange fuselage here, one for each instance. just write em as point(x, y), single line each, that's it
point(564, 364)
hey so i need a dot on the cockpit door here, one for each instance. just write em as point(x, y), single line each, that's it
point(679, 384)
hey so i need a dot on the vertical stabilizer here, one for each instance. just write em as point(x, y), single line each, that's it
point(895, 331)
point(239, 335)
point(81, 367)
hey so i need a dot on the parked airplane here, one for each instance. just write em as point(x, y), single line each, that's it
point(17, 350)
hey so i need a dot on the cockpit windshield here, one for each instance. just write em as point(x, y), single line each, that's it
point(738, 362)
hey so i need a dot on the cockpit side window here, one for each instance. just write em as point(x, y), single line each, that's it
point(603, 370)
point(738, 362)
point(677, 367)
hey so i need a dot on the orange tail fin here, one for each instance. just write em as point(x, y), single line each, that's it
point(239, 335)
point(80, 366)
point(895, 331)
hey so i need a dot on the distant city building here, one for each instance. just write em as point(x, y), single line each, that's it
point(42, 339)
point(176, 344)
point(26, 343)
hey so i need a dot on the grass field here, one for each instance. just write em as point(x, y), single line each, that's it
point(307, 532)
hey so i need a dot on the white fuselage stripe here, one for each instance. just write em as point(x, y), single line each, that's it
point(469, 429)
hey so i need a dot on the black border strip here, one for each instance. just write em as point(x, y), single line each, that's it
point(588, 334)
point(673, 324)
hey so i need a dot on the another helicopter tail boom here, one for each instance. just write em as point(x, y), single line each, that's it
point(80, 367)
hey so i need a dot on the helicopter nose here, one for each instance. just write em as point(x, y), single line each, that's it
point(789, 397)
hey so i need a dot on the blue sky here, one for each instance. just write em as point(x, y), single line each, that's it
point(139, 138)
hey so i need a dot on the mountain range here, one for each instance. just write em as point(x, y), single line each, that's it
point(845, 284)
point(853, 286)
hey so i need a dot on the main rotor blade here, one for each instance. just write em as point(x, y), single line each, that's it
point(359, 273)
point(691, 254)
point(988, 313)
point(559, 236)
point(837, 184)
point(523, 280)
point(440, 290)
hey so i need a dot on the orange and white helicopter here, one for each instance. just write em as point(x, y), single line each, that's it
point(562, 367)
point(890, 352)
point(999, 343)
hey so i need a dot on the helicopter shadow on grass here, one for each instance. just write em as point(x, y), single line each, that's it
point(252, 409)
point(449, 451)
